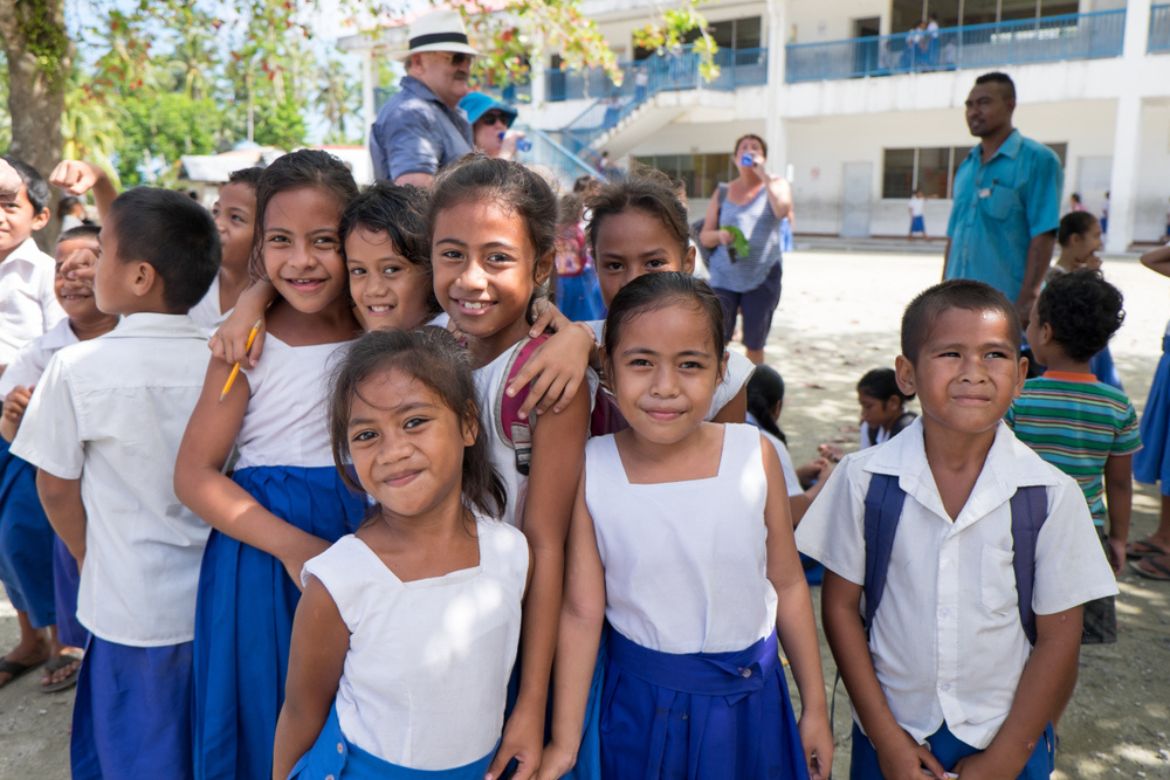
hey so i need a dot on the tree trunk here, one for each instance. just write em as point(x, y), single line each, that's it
point(37, 48)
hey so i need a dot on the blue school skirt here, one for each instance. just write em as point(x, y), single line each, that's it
point(26, 541)
point(243, 620)
point(334, 757)
point(579, 296)
point(1151, 464)
point(132, 714)
point(66, 581)
point(949, 750)
point(1101, 366)
point(699, 715)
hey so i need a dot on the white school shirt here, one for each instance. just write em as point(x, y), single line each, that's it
point(111, 412)
point(739, 371)
point(685, 562)
point(946, 642)
point(287, 421)
point(28, 305)
point(425, 679)
point(30, 363)
point(207, 313)
point(917, 207)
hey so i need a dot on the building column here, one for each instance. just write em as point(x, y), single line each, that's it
point(774, 131)
point(1127, 129)
point(369, 110)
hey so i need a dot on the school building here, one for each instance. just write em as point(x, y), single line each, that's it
point(860, 110)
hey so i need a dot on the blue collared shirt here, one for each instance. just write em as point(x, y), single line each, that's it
point(1000, 206)
point(417, 133)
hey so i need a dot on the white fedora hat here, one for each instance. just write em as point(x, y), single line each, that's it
point(440, 30)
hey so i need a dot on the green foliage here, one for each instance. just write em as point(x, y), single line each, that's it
point(679, 26)
point(171, 125)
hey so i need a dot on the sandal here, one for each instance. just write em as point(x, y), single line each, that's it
point(15, 669)
point(56, 664)
point(1143, 548)
point(1153, 567)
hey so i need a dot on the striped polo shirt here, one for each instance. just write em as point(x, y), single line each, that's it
point(1076, 423)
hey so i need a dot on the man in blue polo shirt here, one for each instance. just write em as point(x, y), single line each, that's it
point(421, 128)
point(1006, 210)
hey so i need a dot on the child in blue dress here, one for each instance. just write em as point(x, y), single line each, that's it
point(682, 542)
point(284, 503)
point(408, 629)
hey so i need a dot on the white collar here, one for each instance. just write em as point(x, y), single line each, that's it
point(29, 253)
point(157, 325)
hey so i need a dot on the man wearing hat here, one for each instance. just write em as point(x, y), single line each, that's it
point(421, 128)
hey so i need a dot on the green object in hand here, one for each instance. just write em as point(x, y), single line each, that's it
point(739, 247)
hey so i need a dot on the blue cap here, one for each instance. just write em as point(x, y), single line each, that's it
point(476, 104)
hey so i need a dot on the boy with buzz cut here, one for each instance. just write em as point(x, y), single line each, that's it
point(103, 427)
point(973, 555)
point(1084, 427)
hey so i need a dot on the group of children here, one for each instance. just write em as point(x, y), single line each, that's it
point(483, 540)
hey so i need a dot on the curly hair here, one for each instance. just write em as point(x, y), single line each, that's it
point(1083, 310)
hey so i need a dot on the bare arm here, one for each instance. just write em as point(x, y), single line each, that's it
point(224, 505)
point(779, 193)
point(798, 505)
point(320, 641)
point(1045, 687)
point(1158, 260)
point(582, 615)
point(794, 620)
point(61, 499)
point(230, 342)
point(1039, 259)
point(422, 180)
point(78, 177)
point(15, 405)
point(1119, 500)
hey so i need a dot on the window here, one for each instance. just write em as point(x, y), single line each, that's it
point(699, 172)
point(931, 169)
point(905, 14)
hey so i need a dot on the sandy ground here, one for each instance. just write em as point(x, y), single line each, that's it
point(838, 318)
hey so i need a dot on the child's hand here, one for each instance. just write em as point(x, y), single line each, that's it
point(817, 738)
point(79, 266)
point(230, 342)
point(15, 403)
point(556, 761)
point(10, 181)
point(1116, 555)
point(905, 759)
point(988, 765)
point(830, 452)
point(523, 740)
point(556, 370)
point(548, 318)
point(75, 176)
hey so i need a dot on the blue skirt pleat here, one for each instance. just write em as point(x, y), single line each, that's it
point(701, 715)
point(132, 714)
point(26, 541)
point(66, 581)
point(1151, 464)
point(950, 750)
point(579, 297)
point(243, 620)
point(1101, 366)
point(333, 756)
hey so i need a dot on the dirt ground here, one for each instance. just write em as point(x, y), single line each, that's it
point(838, 318)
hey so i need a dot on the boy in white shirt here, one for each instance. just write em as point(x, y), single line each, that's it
point(28, 307)
point(103, 427)
point(950, 668)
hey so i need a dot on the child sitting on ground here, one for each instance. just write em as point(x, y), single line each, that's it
point(972, 655)
point(1079, 424)
point(883, 416)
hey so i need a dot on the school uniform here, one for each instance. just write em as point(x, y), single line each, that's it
point(426, 674)
point(947, 642)
point(28, 306)
point(111, 412)
point(36, 568)
point(693, 684)
point(1151, 464)
point(207, 313)
point(247, 600)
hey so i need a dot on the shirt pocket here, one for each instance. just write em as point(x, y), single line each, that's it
point(1001, 203)
point(997, 580)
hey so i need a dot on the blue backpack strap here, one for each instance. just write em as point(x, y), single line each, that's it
point(883, 510)
point(1029, 511)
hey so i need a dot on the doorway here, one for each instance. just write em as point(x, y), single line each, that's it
point(856, 199)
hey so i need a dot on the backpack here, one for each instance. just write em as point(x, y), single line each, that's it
point(883, 510)
point(517, 432)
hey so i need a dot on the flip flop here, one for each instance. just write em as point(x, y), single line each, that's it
point(57, 663)
point(1161, 569)
point(1142, 548)
point(15, 670)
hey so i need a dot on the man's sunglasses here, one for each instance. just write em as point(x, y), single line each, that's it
point(460, 58)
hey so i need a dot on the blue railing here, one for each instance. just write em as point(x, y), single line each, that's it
point(1017, 42)
point(1159, 28)
point(659, 72)
point(552, 156)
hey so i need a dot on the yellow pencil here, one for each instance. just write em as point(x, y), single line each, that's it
point(231, 380)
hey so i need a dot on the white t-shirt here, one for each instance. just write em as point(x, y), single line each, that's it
point(31, 362)
point(685, 562)
point(947, 643)
point(111, 412)
point(917, 206)
point(426, 676)
point(28, 306)
point(207, 312)
point(791, 481)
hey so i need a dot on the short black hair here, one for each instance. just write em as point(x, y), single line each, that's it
point(1002, 79)
point(249, 176)
point(35, 185)
point(765, 389)
point(175, 235)
point(882, 384)
point(1083, 310)
point(649, 191)
point(1074, 223)
point(81, 231)
point(966, 294)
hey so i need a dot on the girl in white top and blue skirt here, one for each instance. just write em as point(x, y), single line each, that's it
point(406, 636)
point(681, 541)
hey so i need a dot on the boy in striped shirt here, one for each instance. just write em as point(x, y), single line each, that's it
point(1084, 427)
